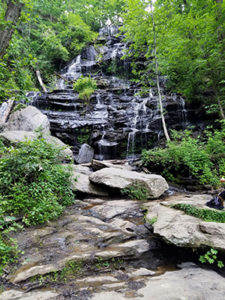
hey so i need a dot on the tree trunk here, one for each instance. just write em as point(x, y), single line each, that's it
point(12, 15)
point(40, 81)
point(157, 79)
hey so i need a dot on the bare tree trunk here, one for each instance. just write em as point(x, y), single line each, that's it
point(40, 81)
point(157, 79)
point(12, 15)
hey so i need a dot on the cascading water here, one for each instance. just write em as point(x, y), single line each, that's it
point(118, 122)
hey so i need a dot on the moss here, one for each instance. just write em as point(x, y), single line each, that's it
point(207, 215)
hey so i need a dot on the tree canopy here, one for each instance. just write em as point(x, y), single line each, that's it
point(190, 45)
point(189, 41)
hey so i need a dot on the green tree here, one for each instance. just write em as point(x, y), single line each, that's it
point(190, 46)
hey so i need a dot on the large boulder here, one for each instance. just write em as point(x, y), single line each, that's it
point(155, 185)
point(175, 227)
point(14, 137)
point(86, 154)
point(28, 119)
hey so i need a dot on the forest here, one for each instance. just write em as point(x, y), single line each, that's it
point(44, 35)
point(182, 41)
point(178, 42)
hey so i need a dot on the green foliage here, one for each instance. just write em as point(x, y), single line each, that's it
point(211, 258)
point(190, 46)
point(85, 86)
point(152, 220)
point(49, 33)
point(8, 251)
point(8, 246)
point(136, 191)
point(71, 268)
point(18, 107)
point(32, 182)
point(208, 215)
point(33, 186)
point(186, 156)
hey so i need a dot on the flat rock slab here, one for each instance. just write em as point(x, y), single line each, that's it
point(115, 208)
point(34, 295)
point(155, 185)
point(78, 237)
point(182, 230)
point(190, 283)
point(119, 164)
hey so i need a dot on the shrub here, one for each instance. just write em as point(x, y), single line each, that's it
point(136, 191)
point(211, 257)
point(85, 86)
point(186, 156)
point(33, 183)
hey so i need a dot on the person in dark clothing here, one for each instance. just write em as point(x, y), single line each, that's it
point(221, 195)
point(218, 201)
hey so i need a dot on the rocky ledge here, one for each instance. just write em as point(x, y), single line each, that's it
point(182, 230)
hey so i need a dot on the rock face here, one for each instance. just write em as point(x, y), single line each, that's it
point(117, 123)
point(156, 185)
point(182, 230)
point(86, 154)
point(13, 137)
point(77, 236)
point(28, 119)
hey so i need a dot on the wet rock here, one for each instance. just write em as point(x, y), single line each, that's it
point(118, 122)
point(112, 209)
point(142, 272)
point(23, 273)
point(77, 237)
point(86, 154)
point(28, 119)
point(155, 185)
point(182, 230)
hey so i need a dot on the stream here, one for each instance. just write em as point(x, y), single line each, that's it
point(101, 249)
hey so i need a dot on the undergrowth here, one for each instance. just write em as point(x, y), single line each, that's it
point(207, 215)
point(34, 188)
point(201, 158)
point(136, 191)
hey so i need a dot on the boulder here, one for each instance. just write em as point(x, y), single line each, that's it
point(156, 185)
point(86, 154)
point(28, 119)
point(13, 137)
point(175, 227)
point(81, 183)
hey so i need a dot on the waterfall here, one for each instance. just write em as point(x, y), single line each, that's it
point(119, 121)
